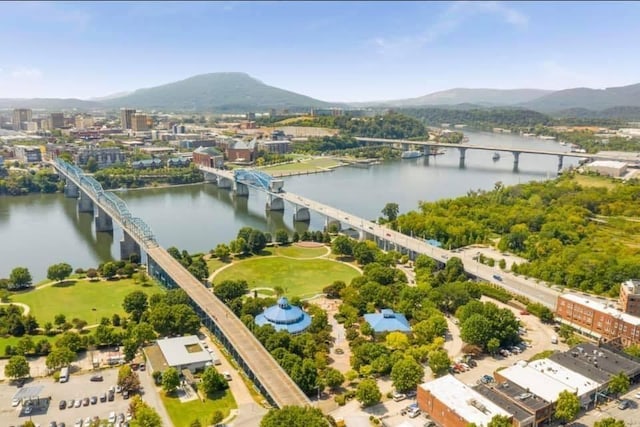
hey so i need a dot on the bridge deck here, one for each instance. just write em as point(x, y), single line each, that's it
point(268, 372)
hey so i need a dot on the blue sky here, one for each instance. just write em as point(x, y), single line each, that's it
point(335, 51)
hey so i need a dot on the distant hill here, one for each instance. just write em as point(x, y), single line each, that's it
point(50, 104)
point(232, 92)
point(591, 99)
point(484, 97)
point(620, 113)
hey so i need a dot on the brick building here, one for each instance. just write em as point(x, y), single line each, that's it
point(242, 151)
point(209, 157)
point(598, 318)
point(630, 297)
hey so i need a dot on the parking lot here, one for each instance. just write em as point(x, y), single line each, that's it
point(79, 386)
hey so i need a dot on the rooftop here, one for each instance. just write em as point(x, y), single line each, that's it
point(571, 379)
point(284, 317)
point(518, 412)
point(607, 360)
point(607, 164)
point(535, 381)
point(632, 286)
point(212, 151)
point(602, 306)
point(463, 400)
point(186, 350)
point(387, 321)
point(525, 397)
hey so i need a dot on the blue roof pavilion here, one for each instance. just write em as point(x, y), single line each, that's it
point(284, 317)
point(387, 321)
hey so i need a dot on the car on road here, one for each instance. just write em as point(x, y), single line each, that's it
point(96, 378)
point(497, 277)
point(120, 417)
point(70, 403)
point(429, 424)
point(53, 424)
point(62, 404)
point(118, 389)
point(339, 351)
point(227, 376)
point(524, 312)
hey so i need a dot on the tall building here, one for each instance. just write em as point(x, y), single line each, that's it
point(630, 297)
point(20, 117)
point(56, 121)
point(126, 117)
point(139, 123)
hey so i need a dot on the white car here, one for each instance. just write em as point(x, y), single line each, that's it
point(637, 396)
point(227, 376)
point(15, 402)
point(112, 417)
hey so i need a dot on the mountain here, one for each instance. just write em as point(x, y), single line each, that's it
point(483, 97)
point(112, 96)
point(591, 99)
point(216, 92)
point(49, 104)
point(619, 113)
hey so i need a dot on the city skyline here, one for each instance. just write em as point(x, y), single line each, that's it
point(354, 51)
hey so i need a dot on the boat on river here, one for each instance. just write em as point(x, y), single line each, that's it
point(410, 154)
point(496, 156)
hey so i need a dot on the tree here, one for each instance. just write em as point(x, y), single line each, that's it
point(391, 211)
point(212, 381)
point(59, 319)
point(59, 357)
point(17, 367)
point(439, 362)
point(476, 330)
point(333, 378)
point(567, 406)
point(397, 340)
point(59, 272)
point(92, 165)
point(609, 422)
point(135, 304)
point(256, 241)
point(305, 375)
point(222, 251)
point(20, 277)
point(282, 237)
point(342, 245)
point(493, 345)
point(500, 421)
point(109, 270)
point(406, 374)
point(228, 290)
point(294, 416)
point(170, 380)
point(368, 393)
point(92, 273)
point(217, 417)
point(146, 416)
point(333, 290)
point(619, 383)
point(128, 379)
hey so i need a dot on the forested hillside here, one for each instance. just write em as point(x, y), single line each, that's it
point(575, 236)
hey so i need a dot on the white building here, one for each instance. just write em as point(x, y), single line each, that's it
point(607, 167)
point(184, 353)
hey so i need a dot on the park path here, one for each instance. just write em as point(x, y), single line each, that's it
point(25, 308)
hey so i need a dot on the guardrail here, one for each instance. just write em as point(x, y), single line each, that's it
point(111, 203)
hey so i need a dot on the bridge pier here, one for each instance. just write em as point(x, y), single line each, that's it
point(224, 182)
point(71, 190)
point(301, 214)
point(104, 223)
point(560, 160)
point(463, 152)
point(274, 203)
point(85, 204)
point(128, 247)
point(516, 160)
point(405, 147)
point(240, 189)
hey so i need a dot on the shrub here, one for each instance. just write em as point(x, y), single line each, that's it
point(340, 399)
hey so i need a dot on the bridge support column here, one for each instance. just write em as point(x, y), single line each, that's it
point(103, 220)
point(224, 182)
point(71, 190)
point(274, 203)
point(560, 160)
point(240, 189)
point(301, 214)
point(516, 160)
point(85, 204)
point(463, 152)
point(128, 247)
point(210, 178)
point(405, 147)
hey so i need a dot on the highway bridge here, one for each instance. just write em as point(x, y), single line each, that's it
point(428, 146)
point(386, 238)
point(268, 376)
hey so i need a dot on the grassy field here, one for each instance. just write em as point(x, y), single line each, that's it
point(82, 299)
point(298, 252)
point(183, 414)
point(13, 341)
point(594, 181)
point(214, 263)
point(310, 165)
point(302, 277)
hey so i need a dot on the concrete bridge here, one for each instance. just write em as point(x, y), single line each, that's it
point(428, 146)
point(256, 362)
point(386, 238)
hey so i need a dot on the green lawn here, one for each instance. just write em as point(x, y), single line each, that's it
point(78, 299)
point(310, 165)
point(183, 414)
point(303, 278)
point(298, 252)
point(594, 181)
point(214, 263)
point(13, 341)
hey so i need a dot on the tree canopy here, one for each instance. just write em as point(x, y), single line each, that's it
point(294, 416)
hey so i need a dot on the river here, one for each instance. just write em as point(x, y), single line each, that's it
point(39, 230)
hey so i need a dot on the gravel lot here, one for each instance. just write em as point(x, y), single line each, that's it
point(78, 387)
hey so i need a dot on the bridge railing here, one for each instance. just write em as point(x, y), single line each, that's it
point(252, 176)
point(114, 205)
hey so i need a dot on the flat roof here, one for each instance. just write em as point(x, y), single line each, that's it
point(518, 412)
point(463, 400)
point(26, 393)
point(608, 360)
point(582, 366)
point(607, 164)
point(534, 381)
point(176, 353)
point(525, 397)
point(571, 379)
point(602, 306)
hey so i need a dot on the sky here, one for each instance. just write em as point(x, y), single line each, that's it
point(333, 51)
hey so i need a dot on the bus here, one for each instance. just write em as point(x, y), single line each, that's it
point(64, 374)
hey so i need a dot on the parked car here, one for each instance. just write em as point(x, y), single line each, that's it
point(87, 422)
point(411, 394)
point(103, 397)
point(111, 396)
point(15, 402)
point(62, 404)
point(112, 417)
point(85, 401)
point(77, 403)
point(486, 379)
point(125, 394)
point(414, 413)
point(27, 409)
point(624, 404)
point(524, 312)
point(143, 367)
point(397, 397)
point(94, 400)
point(227, 376)
point(96, 378)
point(78, 423)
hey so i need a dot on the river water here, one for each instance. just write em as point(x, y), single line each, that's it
point(39, 230)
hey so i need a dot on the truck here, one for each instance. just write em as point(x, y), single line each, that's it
point(64, 374)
